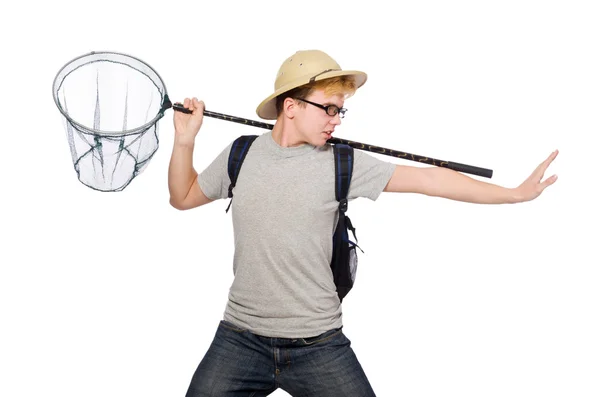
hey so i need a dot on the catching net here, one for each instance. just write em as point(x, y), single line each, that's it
point(111, 105)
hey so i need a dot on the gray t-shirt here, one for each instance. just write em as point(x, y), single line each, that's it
point(284, 212)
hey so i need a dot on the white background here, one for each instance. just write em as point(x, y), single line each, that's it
point(119, 294)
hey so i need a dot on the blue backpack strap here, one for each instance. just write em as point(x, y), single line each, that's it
point(237, 154)
point(344, 164)
point(341, 258)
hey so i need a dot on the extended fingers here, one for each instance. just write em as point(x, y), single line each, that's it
point(541, 169)
point(550, 158)
point(553, 155)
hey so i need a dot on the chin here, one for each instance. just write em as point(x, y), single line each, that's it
point(321, 142)
point(323, 138)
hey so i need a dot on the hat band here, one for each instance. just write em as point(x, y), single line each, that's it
point(312, 79)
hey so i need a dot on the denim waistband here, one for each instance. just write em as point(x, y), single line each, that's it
point(278, 341)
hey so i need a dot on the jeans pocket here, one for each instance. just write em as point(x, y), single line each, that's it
point(324, 337)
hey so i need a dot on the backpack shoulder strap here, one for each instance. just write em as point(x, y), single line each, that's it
point(237, 154)
point(344, 164)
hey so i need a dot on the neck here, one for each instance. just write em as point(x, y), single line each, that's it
point(286, 135)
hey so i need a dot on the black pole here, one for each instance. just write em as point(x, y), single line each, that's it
point(469, 169)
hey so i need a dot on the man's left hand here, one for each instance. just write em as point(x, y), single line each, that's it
point(533, 186)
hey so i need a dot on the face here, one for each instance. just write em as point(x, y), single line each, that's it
point(313, 123)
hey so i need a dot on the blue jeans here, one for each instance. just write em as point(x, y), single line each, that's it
point(240, 363)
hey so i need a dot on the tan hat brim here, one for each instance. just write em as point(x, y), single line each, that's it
point(267, 109)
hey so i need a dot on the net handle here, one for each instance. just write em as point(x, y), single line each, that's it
point(465, 168)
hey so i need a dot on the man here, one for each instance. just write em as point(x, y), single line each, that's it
point(282, 326)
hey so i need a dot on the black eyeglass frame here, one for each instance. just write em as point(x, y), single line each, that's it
point(327, 108)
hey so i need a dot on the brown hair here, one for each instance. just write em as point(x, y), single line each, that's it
point(341, 85)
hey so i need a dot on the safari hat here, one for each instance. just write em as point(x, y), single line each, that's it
point(301, 68)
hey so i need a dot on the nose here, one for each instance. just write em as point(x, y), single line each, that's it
point(336, 120)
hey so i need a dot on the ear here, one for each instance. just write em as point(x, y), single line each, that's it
point(289, 107)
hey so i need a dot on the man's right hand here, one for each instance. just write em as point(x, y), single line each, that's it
point(188, 125)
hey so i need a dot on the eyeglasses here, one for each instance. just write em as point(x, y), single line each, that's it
point(331, 110)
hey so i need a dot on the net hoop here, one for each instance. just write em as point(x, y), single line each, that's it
point(115, 57)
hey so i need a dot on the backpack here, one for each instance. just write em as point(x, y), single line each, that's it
point(344, 260)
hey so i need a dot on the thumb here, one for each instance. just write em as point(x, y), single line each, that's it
point(549, 181)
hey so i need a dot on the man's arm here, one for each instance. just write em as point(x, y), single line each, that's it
point(184, 190)
point(446, 183)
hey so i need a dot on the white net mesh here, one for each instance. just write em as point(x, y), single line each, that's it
point(111, 105)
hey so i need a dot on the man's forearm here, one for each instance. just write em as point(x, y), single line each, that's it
point(443, 182)
point(181, 171)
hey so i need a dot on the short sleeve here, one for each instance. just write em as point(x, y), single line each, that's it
point(370, 176)
point(214, 180)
